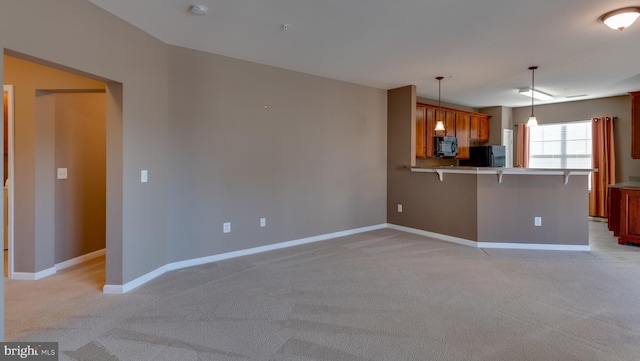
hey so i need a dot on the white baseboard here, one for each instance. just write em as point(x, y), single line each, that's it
point(495, 245)
point(81, 259)
point(119, 289)
point(439, 236)
point(29, 276)
point(534, 246)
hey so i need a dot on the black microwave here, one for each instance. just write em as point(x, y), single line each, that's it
point(485, 156)
point(446, 147)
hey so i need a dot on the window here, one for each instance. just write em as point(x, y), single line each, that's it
point(560, 145)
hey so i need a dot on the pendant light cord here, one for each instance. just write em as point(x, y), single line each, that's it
point(533, 71)
point(439, 84)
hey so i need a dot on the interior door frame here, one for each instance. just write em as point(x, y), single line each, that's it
point(10, 208)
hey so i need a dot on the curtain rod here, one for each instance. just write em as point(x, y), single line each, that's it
point(516, 125)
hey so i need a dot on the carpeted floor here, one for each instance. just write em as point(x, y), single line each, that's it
point(381, 295)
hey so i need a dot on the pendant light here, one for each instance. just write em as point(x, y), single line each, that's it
point(532, 122)
point(439, 123)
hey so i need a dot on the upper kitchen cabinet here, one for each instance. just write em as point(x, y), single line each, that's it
point(480, 128)
point(421, 132)
point(463, 126)
point(466, 126)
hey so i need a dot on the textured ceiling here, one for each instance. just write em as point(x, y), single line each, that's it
point(483, 48)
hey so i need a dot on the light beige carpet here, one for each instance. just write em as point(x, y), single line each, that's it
point(382, 295)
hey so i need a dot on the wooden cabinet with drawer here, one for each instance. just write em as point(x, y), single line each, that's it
point(629, 216)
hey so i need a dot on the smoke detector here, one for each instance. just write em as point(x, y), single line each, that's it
point(198, 9)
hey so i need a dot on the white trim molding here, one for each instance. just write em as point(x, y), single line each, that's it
point(30, 276)
point(495, 245)
point(120, 289)
point(81, 259)
point(443, 237)
point(534, 246)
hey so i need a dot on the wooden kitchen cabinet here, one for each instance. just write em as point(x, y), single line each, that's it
point(613, 210)
point(635, 125)
point(425, 128)
point(430, 127)
point(450, 124)
point(479, 128)
point(457, 124)
point(629, 216)
point(463, 126)
point(421, 132)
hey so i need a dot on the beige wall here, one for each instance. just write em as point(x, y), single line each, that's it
point(428, 204)
point(506, 210)
point(80, 146)
point(619, 107)
point(249, 141)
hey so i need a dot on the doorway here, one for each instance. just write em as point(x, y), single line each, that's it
point(49, 226)
point(8, 101)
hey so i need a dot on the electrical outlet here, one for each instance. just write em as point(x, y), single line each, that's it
point(537, 221)
point(399, 208)
point(226, 227)
point(263, 222)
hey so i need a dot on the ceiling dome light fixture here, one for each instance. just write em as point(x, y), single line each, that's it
point(621, 18)
point(532, 122)
point(439, 123)
point(198, 9)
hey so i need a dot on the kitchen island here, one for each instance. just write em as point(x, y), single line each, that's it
point(495, 207)
point(480, 207)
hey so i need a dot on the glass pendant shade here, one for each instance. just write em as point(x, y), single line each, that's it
point(439, 125)
point(532, 122)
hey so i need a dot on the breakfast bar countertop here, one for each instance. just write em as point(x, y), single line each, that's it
point(500, 171)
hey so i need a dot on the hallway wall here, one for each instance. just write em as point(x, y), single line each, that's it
point(80, 200)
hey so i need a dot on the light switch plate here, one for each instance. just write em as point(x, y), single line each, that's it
point(62, 173)
point(144, 176)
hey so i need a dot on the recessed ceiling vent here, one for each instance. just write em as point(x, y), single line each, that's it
point(198, 9)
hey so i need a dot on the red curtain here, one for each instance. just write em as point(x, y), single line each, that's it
point(522, 156)
point(603, 158)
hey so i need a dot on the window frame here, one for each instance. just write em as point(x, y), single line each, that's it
point(563, 156)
